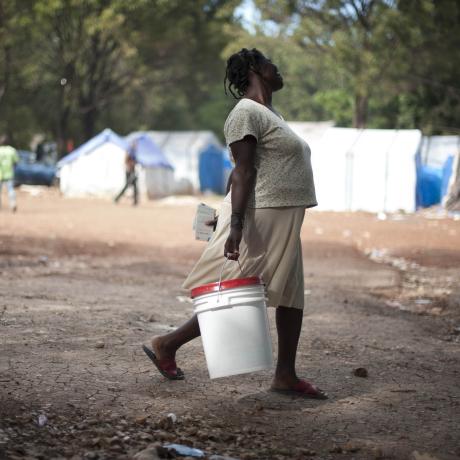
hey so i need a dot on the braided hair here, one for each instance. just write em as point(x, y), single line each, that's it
point(237, 71)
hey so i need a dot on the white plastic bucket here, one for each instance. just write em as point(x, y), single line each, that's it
point(234, 326)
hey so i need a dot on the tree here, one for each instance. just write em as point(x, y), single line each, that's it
point(432, 95)
point(180, 50)
point(357, 37)
point(81, 65)
point(87, 59)
point(396, 59)
point(15, 49)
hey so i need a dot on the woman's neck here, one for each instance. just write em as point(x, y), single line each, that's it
point(259, 94)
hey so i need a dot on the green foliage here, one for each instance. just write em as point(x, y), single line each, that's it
point(395, 64)
point(87, 64)
point(336, 103)
point(69, 68)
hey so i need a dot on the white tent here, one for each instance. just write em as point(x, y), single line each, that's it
point(364, 169)
point(97, 168)
point(452, 200)
point(437, 149)
point(311, 130)
point(182, 149)
point(156, 175)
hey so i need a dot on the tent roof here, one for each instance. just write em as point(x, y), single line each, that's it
point(182, 149)
point(184, 140)
point(311, 131)
point(148, 153)
point(179, 143)
point(368, 141)
point(104, 137)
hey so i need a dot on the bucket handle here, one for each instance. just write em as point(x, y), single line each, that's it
point(222, 270)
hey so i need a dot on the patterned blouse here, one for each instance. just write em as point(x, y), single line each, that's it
point(283, 164)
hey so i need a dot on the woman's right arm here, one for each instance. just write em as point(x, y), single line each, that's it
point(229, 182)
point(242, 180)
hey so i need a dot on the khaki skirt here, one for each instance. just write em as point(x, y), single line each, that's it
point(270, 248)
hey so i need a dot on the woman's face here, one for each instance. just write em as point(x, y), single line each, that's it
point(271, 75)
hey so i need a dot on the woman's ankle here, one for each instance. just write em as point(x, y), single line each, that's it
point(285, 376)
point(163, 347)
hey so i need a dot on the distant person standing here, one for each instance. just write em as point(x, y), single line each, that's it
point(8, 158)
point(131, 176)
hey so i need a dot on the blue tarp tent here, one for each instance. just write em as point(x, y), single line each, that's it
point(429, 181)
point(148, 154)
point(157, 177)
point(183, 150)
point(30, 171)
point(434, 169)
point(432, 183)
point(97, 168)
point(214, 168)
point(104, 137)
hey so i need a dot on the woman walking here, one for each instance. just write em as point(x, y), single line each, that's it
point(260, 219)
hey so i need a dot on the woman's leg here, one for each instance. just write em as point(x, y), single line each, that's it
point(288, 324)
point(165, 346)
point(11, 194)
point(206, 270)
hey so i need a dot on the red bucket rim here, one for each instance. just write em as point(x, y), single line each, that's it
point(225, 285)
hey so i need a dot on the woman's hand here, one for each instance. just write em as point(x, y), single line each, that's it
point(232, 245)
point(212, 223)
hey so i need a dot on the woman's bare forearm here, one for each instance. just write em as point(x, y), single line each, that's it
point(243, 178)
point(229, 182)
point(242, 181)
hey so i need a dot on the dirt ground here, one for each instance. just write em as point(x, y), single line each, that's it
point(83, 283)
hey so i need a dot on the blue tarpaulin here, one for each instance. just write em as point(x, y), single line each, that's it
point(148, 153)
point(432, 182)
point(214, 168)
point(34, 174)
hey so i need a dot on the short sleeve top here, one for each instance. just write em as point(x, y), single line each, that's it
point(8, 157)
point(283, 159)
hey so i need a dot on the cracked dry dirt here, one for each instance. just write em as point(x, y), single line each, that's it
point(83, 283)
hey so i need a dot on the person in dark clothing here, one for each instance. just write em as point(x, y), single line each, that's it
point(131, 176)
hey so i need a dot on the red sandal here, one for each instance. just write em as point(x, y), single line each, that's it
point(303, 389)
point(167, 367)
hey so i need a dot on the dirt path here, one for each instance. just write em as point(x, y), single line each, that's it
point(84, 283)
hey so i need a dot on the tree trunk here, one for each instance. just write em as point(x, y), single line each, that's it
point(62, 123)
point(7, 57)
point(361, 108)
point(89, 123)
point(4, 87)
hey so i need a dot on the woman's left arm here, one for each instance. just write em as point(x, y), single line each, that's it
point(243, 179)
